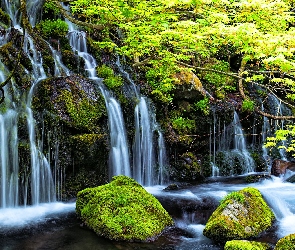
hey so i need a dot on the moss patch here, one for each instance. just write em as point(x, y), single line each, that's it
point(122, 210)
point(245, 245)
point(286, 243)
point(240, 215)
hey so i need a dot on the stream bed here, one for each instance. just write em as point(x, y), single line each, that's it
point(55, 226)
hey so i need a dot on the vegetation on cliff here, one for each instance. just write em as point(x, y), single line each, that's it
point(122, 210)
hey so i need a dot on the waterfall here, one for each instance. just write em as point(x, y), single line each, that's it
point(42, 187)
point(264, 133)
point(144, 161)
point(119, 153)
point(232, 156)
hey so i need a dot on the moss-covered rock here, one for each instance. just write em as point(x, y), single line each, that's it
point(240, 215)
point(286, 243)
point(245, 245)
point(122, 210)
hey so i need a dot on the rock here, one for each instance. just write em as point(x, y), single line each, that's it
point(286, 243)
point(291, 179)
point(245, 245)
point(240, 215)
point(171, 187)
point(122, 210)
point(280, 166)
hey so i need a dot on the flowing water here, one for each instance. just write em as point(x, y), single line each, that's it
point(146, 130)
point(55, 225)
point(119, 153)
point(229, 142)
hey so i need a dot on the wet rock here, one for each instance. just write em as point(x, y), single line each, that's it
point(240, 215)
point(279, 167)
point(286, 243)
point(171, 187)
point(291, 179)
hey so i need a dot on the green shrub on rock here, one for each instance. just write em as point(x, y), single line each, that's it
point(240, 215)
point(122, 210)
point(245, 245)
point(286, 243)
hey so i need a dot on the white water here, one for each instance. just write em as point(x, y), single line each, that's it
point(144, 149)
point(278, 194)
point(119, 153)
point(24, 216)
point(231, 143)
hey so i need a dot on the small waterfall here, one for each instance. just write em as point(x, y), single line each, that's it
point(119, 153)
point(12, 9)
point(264, 134)
point(232, 156)
point(42, 186)
point(9, 196)
point(144, 161)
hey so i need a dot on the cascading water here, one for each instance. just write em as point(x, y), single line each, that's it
point(119, 153)
point(144, 161)
point(234, 158)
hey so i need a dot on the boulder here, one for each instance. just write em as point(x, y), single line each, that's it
point(122, 210)
point(280, 166)
point(240, 215)
point(245, 245)
point(286, 243)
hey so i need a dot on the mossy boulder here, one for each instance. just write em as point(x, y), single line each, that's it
point(240, 215)
point(122, 210)
point(286, 243)
point(245, 245)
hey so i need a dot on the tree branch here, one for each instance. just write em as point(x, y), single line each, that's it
point(241, 88)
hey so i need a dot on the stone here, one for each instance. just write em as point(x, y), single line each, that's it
point(279, 167)
point(122, 210)
point(240, 215)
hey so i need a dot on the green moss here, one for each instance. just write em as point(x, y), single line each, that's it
point(286, 243)
point(122, 210)
point(240, 215)
point(84, 113)
point(110, 79)
point(245, 245)
point(53, 28)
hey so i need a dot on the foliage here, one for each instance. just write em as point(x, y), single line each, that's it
point(240, 215)
point(213, 35)
point(286, 243)
point(283, 135)
point(53, 28)
point(203, 105)
point(110, 79)
point(122, 210)
point(248, 105)
point(245, 245)
point(183, 125)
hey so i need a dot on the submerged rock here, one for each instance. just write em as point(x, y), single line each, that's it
point(240, 215)
point(245, 245)
point(286, 243)
point(122, 210)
